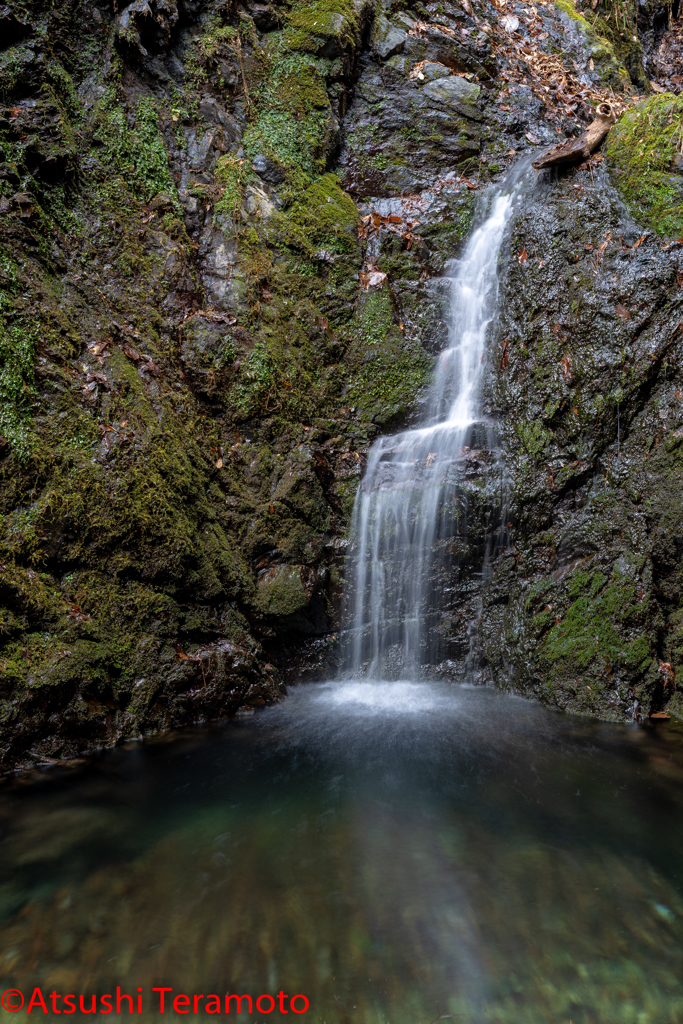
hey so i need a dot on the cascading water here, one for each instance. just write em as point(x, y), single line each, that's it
point(406, 509)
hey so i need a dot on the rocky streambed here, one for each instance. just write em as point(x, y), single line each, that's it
point(223, 235)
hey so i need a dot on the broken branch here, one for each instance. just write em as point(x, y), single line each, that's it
point(576, 150)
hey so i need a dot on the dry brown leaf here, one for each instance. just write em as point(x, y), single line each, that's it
point(372, 279)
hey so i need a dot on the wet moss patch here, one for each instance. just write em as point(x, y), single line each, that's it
point(386, 371)
point(599, 632)
point(645, 148)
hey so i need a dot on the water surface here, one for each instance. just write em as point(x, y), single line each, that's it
point(392, 850)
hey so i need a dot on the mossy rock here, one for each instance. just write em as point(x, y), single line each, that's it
point(386, 370)
point(602, 627)
point(326, 27)
point(644, 149)
point(325, 212)
point(281, 592)
point(292, 125)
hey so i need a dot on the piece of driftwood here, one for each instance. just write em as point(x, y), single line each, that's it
point(573, 151)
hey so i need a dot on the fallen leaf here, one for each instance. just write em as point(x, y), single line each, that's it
point(522, 256)
point(510, 23)
point(532, 138)
point(372, 279)
point(149, 366)
point(556, 328)
point(566, 365)
point(505, 357)
point(660, 714)
point(666, 671)
point(98, 347)
point(272, 509)
point(219, 464)
point(129, 351)
point(622, 312)
point(639, 242)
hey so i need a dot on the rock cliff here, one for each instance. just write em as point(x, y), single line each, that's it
point(223, 229)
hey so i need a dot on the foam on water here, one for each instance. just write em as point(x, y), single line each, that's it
point(386, 698)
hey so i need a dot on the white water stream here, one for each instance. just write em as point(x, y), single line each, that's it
point(405, 509)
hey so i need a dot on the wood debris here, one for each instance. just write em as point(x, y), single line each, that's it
point(573, 151)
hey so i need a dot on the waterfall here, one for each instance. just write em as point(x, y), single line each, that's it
point(406, 510)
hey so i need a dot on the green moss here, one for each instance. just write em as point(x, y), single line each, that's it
point(256, 379)
point(568, 8)
point(281, 592)
point(291, 120)
point(16, 65)
point(386, 372)
point(375, 317)
point(324, 216)
point(18, 346)
point(642, 148)
point(139, 154)
point(231, 177)
point(599, 632)
point(314, 23)
point(204, 52)
point(533, 435)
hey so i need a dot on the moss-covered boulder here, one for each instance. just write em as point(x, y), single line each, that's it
point(644, 150)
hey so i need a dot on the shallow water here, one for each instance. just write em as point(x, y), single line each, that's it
point(391, 850)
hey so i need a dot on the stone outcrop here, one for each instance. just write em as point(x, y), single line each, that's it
point(222, 235)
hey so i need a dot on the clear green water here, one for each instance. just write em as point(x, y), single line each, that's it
point(392, 850)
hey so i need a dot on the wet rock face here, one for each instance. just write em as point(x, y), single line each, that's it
point(223, 239)
point(583, 607)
